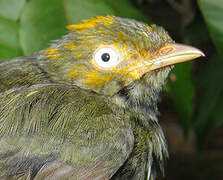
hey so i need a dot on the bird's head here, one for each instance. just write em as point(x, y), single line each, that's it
point(107, 54)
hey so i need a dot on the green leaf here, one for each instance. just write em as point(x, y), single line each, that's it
point(212, 12)
point(41, 21)
point(181, 88)
point(86, 9)
point(11, 9)
point(9, 39)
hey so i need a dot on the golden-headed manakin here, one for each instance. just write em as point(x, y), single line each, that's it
point(86, 107)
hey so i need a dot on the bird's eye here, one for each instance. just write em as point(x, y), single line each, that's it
point(106, 57)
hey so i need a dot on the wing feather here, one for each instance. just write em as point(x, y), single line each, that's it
point(57, 131)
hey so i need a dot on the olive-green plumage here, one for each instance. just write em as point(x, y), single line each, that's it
point(63, 116)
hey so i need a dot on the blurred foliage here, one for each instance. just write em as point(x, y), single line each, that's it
point(27, 26)
point(209, 113)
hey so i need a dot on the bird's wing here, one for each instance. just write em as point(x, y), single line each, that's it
point(56, 132)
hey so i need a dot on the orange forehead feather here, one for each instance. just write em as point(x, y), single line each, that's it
point(93, 22)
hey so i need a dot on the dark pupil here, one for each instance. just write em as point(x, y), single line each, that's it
point(105, 57)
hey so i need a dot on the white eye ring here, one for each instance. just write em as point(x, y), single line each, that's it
point(106, 57)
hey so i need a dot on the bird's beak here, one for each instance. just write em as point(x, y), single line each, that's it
point(173, 53)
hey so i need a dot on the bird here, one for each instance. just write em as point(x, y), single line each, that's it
point(86, 107)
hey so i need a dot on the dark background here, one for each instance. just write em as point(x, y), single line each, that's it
point(191, 110)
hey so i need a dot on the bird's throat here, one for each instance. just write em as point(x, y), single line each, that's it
point(142, 96)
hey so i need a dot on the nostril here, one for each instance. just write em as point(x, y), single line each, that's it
point(165, 50)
